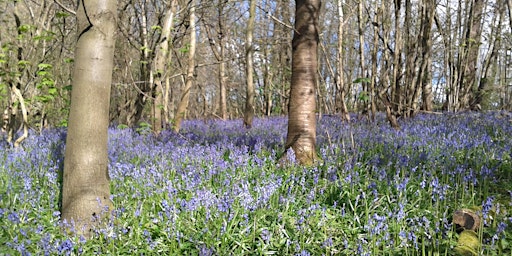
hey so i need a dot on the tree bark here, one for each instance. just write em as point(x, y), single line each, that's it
point(85, 189)
point(185, 95)
point(509, 5)
point(425, 74)
point(472, 46)
point(162, 58)
point(301, 110)
point(249, 68)
point(340, 84)
point(362, 63)
point(490, 60)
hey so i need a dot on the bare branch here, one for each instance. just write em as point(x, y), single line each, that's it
point(64, 7)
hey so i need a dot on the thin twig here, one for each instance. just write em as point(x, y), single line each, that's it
point(64, 7)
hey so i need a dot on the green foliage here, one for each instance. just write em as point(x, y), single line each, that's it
point(156, 27)
point(46, 84)
point(61, 15)
point(122, 126)
point(363, 96)
point(143, 128)
point(362, 80)
point(185, 48)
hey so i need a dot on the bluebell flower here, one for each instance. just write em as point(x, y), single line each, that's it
point(265, 235)
point(303, 253)
point(65, 248)
point(328, 242)
point(486, 208)
point(13, 217)
point(205, 251)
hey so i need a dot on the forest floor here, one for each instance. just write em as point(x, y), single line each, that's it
point(216, 189)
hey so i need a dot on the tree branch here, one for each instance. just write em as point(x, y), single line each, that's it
point(64, 7)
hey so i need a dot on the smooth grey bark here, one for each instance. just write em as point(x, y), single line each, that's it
point(301, 135)
point(86, 183)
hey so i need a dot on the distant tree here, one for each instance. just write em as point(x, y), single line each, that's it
point(161, 70)
point(185, 95)
point(249, 68)
point(86, 188)
point(217, 42)
point(301, 109)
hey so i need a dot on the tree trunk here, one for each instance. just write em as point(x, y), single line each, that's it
point(509, 5)
point(490, 60)
point(86, 188)
point(249, 68)
point(340, 83)
point(185, 95)
point(267, 83)
point(301, 110)
point(472, 46)
point(162, 58)
point(425, 74)
point(145, 88)
point(362, 63)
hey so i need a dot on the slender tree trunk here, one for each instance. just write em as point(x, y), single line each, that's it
point(249, 68)
point(162, 58)
point(489, 64)
point(86, 188)
point(145, 86)
point(361, 22)
point(185, 95)
point(472, 46)
point(425, 74)
point(340, 84)
point(222, 66)
point(218, 50)
point(397, 62)
point(509, 5)
point(267, 80)
point(375, 60)
point(24, 115)
point(301, 111)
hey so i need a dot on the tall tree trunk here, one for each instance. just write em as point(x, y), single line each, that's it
point(145, 87)
point(393, 103)
point(249, 68)
point(340, 84)
point(425, 74)
point(375, 59)
point(397, 61)
point(410, 50)
point(185, 95)
point(162, 59)
point(267, 83)
point(301, 110)
point(489, 64)
point(86, 188)
point(222, 65)
point(218, 50)
point(361, 21)
point(509, 5)
point(472, 46)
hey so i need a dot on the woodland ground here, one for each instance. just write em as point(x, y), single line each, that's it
point(215, 189)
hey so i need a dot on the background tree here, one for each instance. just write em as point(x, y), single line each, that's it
point(249, 67)
point(161, 70)
point(301, 135)
point(86, 183)
point(412, 57)
point(190, 77)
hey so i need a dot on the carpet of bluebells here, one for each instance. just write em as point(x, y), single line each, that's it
point(217, 189)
